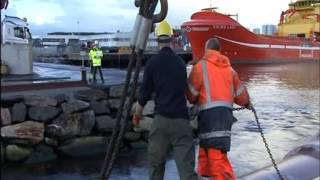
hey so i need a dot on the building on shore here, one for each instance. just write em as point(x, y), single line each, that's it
point(110, 42)
point(256, 30)
point(269, 29)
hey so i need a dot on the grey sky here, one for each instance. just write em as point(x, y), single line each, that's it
point(112, 15)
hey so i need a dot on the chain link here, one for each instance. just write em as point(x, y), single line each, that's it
point(266, 144)
point(239, 109)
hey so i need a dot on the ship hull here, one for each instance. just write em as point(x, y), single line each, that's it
point(243, 46)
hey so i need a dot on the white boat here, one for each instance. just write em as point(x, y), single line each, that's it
point(301, 163)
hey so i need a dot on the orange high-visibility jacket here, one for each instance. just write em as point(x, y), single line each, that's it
point(214, 83)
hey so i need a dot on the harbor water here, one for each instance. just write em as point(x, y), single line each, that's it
point(285, 96)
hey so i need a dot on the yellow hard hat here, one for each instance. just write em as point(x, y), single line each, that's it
point(164, 29)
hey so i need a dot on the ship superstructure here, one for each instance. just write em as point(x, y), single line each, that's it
point(302, 19)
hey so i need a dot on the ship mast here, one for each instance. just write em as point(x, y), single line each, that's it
point(211, 8)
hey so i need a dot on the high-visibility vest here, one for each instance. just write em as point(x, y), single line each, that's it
point(214, 83)
point(95, 56)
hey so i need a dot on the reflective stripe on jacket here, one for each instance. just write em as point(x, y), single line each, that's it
point(95, 56)
point(214, 86)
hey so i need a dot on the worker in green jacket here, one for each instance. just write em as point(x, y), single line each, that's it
point(96, 55)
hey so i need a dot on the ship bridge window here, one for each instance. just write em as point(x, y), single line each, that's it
point(302, 35)
point(19, 32)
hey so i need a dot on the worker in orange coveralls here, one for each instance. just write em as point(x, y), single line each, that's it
point(214, 86)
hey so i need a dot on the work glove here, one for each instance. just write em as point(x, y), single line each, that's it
point(138, 109)
point(136, 120)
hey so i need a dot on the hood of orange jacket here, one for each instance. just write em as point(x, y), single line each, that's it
point(216, 58)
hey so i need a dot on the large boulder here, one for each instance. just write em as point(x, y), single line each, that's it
point(43, 114)
point(19, 112)
point(11, 100)
point(5, 117)
point(28, 133)
point(35, 100)
point(99, 108)
point(115, 91)
point(17, 153)
point(84, 146)
point(74, 106)
point(61, 98)
point(70, 125)
point(105, 123)
point(114, 103)
point(42, 153)
point(51, 142)
point(87, 123)
point(91, 94)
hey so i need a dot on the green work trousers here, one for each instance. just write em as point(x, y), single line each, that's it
point(171, 134)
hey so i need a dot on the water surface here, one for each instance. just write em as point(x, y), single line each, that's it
point(286, 97)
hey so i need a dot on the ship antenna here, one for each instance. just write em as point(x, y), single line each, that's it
point(210, 3)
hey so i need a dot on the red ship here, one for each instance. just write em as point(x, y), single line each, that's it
point(244, 46)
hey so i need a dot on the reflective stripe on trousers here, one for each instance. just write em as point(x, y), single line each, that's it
point(215, 134)
point(216, 104)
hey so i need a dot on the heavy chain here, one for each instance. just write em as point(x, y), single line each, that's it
point(108, 161)
point(239, 109)
point(125, 115)
point(266, 144)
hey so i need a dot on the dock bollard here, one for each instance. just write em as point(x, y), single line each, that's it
point(83, 68)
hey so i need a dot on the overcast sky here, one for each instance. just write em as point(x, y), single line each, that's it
point(111, 15)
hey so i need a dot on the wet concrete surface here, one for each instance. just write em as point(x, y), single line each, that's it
point(47, 72)
point(286, 97)
point(112, 76)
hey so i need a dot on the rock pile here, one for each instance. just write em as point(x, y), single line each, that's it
point(38, 129)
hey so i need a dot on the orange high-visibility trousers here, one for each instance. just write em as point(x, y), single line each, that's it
point(214, 163)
